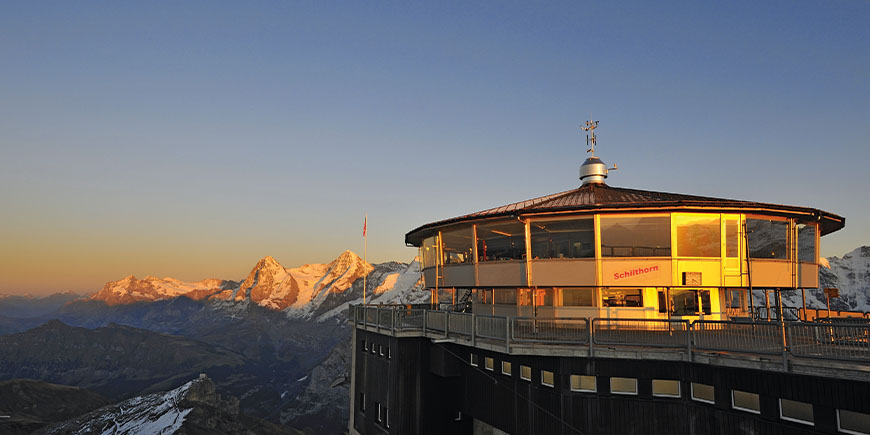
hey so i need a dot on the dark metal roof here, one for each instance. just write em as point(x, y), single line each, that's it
point(601, 196)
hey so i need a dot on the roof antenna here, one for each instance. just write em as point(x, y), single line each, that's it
point(593, 170)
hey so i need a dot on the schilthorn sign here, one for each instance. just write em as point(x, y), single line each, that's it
point(634, 272)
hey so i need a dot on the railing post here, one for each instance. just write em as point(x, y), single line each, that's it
point(508, 332)
point(690, 334)
point(473, 328)
point(378, 319)
point(589, 331)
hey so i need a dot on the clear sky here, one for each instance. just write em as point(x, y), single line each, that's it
point(189, 139)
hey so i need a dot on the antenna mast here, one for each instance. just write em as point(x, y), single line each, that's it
point(589, 127)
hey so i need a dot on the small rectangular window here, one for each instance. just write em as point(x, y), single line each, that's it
point(365, 346)
point(525, 373)
point(489, 363)
point(666, 388)
point(362, 402)
point(387, 417)
point(473, 360)
point(389, 355)
point(623, 386)
point(799, 412)
point(621, 297)
point(381, 350)
point(506, 368)
point(853, 422)
point(703, 393)
point(745, 401)
point(380, 412)
point(547, 378)
point(583, 383)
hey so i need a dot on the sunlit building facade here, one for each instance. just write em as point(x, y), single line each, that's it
point(607, 310)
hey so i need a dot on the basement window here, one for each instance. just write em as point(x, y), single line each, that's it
point(547, 378)
point(362, 402)
point(389, 355)
point(623, 386)
point(853, 422)
point(525, 373)
point(380, 413)
point(798, 412)
point(703, 393)
point(583, 383)
point(489, 363)
point(473, 360)
point(744, 401)
point(365, 346)
point(381, 350)
point(666, 388)
point(506, 368)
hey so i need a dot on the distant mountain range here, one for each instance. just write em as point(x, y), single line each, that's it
point(259, 338)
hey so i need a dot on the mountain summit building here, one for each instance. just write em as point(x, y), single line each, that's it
point(606, 310)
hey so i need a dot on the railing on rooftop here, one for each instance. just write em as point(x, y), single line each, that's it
point(844, 341)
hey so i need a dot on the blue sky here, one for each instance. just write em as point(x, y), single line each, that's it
point(189, 139)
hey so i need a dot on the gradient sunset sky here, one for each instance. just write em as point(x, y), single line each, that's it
point(189, 139)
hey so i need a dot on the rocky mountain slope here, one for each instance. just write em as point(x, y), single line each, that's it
point(31, 404)
point(193, 408)
point(113, 360)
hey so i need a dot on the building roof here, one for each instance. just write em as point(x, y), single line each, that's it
point(601, 196)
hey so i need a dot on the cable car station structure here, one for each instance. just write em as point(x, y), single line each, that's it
point(611, 310)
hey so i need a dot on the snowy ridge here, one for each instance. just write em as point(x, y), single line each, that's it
point(319, 291)
point(153, 414)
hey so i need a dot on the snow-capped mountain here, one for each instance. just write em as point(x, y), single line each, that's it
point(310, 291)
point(130, 289)
point(849, 273)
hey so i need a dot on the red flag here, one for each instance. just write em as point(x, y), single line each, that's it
point(365, 221)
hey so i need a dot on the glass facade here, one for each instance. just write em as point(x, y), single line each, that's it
point(573, 238)
point(807, 243)
point(429, 251)
point(614, 297)
point(698, 236)
point(457, 245)
point(578, 297)
point(636, 236)
point(732, 238)
point(501, 241)
point(767, 238)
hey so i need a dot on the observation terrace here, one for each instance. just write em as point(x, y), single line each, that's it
point(835, 349)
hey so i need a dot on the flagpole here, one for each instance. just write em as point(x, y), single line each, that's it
point(365, 255)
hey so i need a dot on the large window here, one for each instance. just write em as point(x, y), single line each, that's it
point(616, 297)
point(767, 238)
point(732, 238)
point(807, 243)
point(690, 302)
point(507, 296)
point(457, 245)
point(501, 241)
point(429, 250)
point(636, 236)
point(563, 238)
point(577, 297)
point(698, 236)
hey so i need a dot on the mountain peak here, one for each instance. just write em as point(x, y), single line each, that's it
point(268, 262)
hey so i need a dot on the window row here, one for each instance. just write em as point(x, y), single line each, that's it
point(695, 235)
point(376, 349)
point(791, 410)
point(560, 297)
point(383, 413)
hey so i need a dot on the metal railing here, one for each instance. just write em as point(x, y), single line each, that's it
point(747, 337)
point(831, 341)
point(491, 327)
point(436, 321)
point(410, 319)
point(562, 330)
point(641, 332)
point(459, 324)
